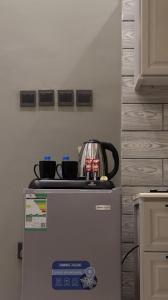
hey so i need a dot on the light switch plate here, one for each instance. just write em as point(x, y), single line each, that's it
point(65, 98)
point(46, 97)
point(84, 98)
point(27, 98)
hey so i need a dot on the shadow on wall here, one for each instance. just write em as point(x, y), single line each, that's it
point(98, 67)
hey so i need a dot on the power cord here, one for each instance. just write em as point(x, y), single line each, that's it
point(130, 251)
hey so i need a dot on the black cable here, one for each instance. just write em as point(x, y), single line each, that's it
point(130, 251)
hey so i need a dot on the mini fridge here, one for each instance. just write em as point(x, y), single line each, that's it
point(71, 246)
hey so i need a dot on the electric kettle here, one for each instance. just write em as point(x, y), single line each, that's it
point(94, 149)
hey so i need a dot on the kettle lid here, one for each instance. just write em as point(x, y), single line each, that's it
point(93, 141)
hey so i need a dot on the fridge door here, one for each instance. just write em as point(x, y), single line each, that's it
point(77, 255)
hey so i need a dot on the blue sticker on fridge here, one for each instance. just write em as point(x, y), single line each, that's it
point(73, 275)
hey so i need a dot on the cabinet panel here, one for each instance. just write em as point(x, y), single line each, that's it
point(155, 276)
point(151, 43)
point(154, 235)
point(154, 60)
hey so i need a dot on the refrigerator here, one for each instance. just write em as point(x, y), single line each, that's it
point(71, 245)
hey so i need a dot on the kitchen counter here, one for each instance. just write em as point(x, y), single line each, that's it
point(151, 195)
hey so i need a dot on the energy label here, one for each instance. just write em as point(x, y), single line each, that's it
point(36, 212)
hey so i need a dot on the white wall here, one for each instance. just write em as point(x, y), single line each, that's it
point(51, 44)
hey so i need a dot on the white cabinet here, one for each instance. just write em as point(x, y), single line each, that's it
point(155, 276)
point(151, 211)
point(151, 43)
point(155, 226)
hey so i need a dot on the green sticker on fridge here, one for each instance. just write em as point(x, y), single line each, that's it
point(35, 212)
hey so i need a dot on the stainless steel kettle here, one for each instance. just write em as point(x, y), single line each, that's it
point(94, 149)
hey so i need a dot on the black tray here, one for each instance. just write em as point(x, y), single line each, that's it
point(70, 184)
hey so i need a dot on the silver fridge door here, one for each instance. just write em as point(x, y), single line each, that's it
point(83, 232)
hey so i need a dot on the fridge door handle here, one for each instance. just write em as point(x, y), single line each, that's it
point(19, 250)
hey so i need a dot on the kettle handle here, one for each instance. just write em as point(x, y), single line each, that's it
point(113, 150)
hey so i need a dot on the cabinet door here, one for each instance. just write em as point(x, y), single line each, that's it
point(154, 281)
point(154, 226)
point(154, 41)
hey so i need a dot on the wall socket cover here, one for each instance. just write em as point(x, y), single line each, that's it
point(65, 98)
point(46, 97)
point(27, 98)
point(84, 97)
